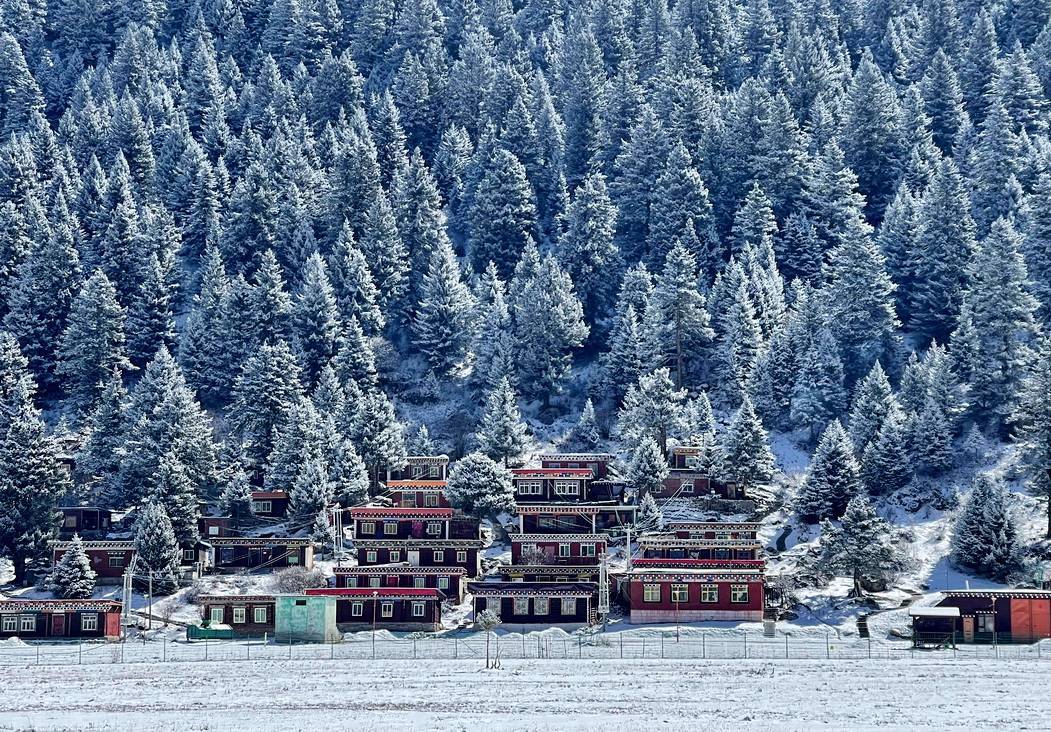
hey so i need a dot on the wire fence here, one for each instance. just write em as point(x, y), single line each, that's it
point(505, 647)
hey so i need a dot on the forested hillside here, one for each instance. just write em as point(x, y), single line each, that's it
point(283, 244)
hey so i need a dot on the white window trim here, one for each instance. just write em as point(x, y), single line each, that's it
point(387, 609)
point(567, 488)
point(438, 556)
point(648, 590)
point(569, 605)
point(541, 606)
point(257, 612)
point(368, 528)
point(521, 606)
point(709, 593)
point(395, 555)
point(565, 549)
point(736, 592)
point(419, 609)
point(461, 556)
point(390, 528)
point(262, 507)
point(357, 609)
point(216, 614)
point(680, 589)
point(240, 615)
point(89, 621)
point(9, 624)
point(370, 556)
point(374, 582)
point(443, 583)
point(434, 528)
point(419, 582)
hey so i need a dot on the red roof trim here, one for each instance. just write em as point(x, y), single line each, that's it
point(394, 485)
point(522, 472)
point(381, 592)
point(269, 494)
point(661, 562)
point(401, 512)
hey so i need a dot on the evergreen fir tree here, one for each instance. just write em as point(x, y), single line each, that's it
point(652, 410)
point(268, 381)
point(443, 321)
point(1033, 420)
point(885, 464)
point(818, 395)
point(873, 401)
point(157, 551)
point(832, 478)
point(586, 249)
point(745, 450)
point(501, 433)
point(585, 434)
point(861, 546)
point(316, 323)
point(647, 469)
point(503, 214)
point(649, 516)
point(681, 310)
point(480, 486)
point(353, 285)
point(235, 500)
point(311, 492)
point(985, 538)
point(377, 434)
point(72, 577)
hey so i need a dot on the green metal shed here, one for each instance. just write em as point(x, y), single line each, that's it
point(305, 618)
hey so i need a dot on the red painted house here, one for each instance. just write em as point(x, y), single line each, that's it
point(270, 504)
point(417, 493)
point(547, 603)
point(390, 608)
point(247, 615)
point(553, 485)
point(109, 559)
point(421, 467)
point(573, 518)
point(260, 553)
point(550, 549)
point(663, 594)
point(598, 463)
point(715, 529)
point(451, 581)
point(670, 546)
point(687, 480)
point(212, 527)
point(985, 616)
point(421, 553)
point(372, 522)
point(57, 619)
point(549, 573)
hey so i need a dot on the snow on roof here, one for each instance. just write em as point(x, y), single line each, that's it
point(934, 612)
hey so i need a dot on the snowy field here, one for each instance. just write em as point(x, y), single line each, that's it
point(533, 695)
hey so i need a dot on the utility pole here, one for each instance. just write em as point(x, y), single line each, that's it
point(125, 608)
point(375, 602)
point(603, 588)
point(149, 611)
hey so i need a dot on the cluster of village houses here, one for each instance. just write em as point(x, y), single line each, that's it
point(413, 553)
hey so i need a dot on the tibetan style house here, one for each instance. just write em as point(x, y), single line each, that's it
point(235, 554)
point(417, 493)
point(244, 615)
point(270, 504)
point(421, 467)
point(450, 581)
point(547, 603)
point(422, 537)
point(89, 522)
point(572, 493)
point(984, 616)
point(390, 608)
point(60, 619)
point(109, 559)
point(686, 479)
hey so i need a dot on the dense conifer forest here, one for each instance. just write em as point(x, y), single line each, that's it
point(284, 244)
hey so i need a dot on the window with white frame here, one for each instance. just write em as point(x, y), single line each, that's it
point(435, 471)
point(430, 500)
point(386, 609)
point(530, 487)
point(350, 581)
point(722, 535)
point(545, 522)
point(686, 487)
point(738, 593)
point(419, 609)
point(461, 556)
point(189, 555)
point(89, 621)
point(710, 593)
point(216, 614)
point(356, 609)
point(262, 507)
point(419, 582)
point(259, 615)
point(374, 581)
point(569, 606)
point(417, 471)
point(680, 593)
point(370, 556)
point(439, 555)
point(213, 530)
point(390, 528)
point(368, 528)
point(443, 583)
point(587, 550)
point(529, 550)
point(239, 614)
point(116, 560)
point(9, 624)
point(567, 488)
point(292, 557)
point(651, 593)
point(540, 605)
point(395, 555)
point(434, 528)
point(564, 550)
point(70, 522)
point(27, 624)
point(521, 606)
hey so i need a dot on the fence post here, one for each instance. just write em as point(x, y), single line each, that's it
point(332, 648)
point(786, 646)
point(122, 650)
point(622, 645)
point(248, 649)
point(456, 648)
point(290, 646)
point(828, 650)
point(704, 642)
point(523, 642)
point(205, 648)
point(413, 648)
point(870, 647)
point(662, 645)
point(164, 650)
point(580, 647)
point(38, 654)
point(746, 645)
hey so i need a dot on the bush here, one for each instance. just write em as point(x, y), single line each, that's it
point(295, 580)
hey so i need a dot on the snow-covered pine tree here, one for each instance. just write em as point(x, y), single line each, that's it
point(681, 312)
point(93, 344)
point(985, 537)
point(493, 347)
point(832, 478)
point(98, 460)
point(157, 552)
point(549, 325)
point(886, 463)
point(444, 318)
point(873, 401)
point(268, 381)
point(930, 439)
point(316, 324)
point(503, 214)
point(861, 546)
point(377, 434)
point(311, 492)
point(585, 434)
point(647, 468)
point(649, 516)
point(501, 433)
point(72, 575)
point(419, 442)
point(175, 491)
point(818, 394)
point(203, 351)
point(697, 418)
point(235, 500)
point(353, 284)
point(1033, 420)
point(298, 438)
point(746, 453)
point(652, 409)
point(480, 486)
point(586, 248)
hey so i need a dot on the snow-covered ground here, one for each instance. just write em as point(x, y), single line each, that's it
point(532, 695)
